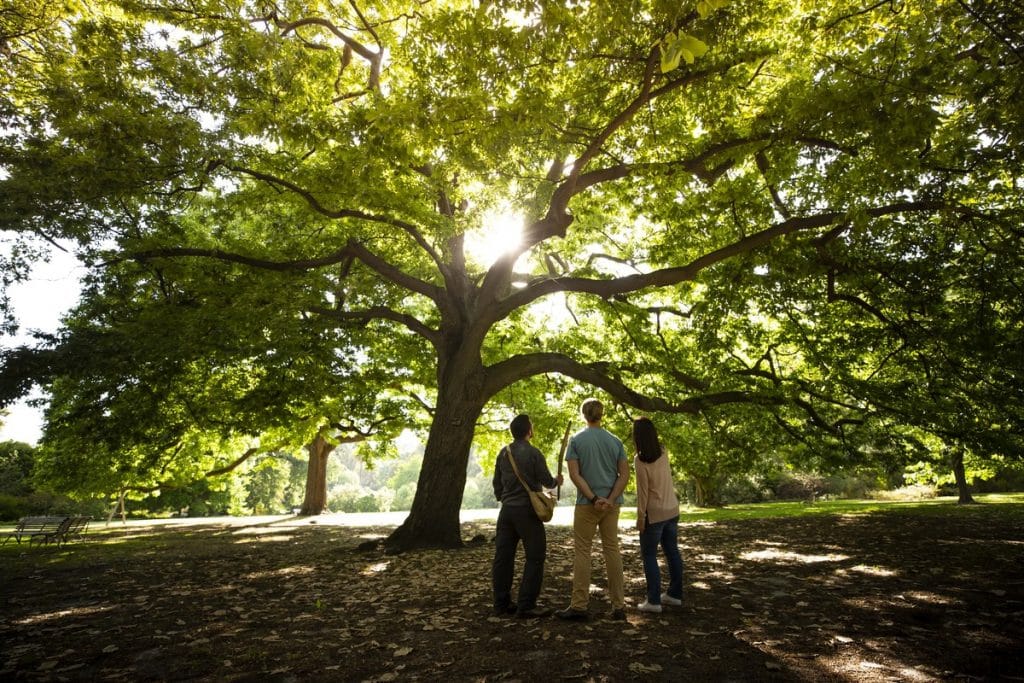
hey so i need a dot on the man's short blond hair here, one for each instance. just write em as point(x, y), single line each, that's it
point(592, 410)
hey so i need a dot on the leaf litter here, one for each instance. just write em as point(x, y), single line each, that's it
point(776, 599)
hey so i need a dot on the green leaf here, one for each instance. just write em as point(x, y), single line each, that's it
point(670, 53)
point(674, 49)
point(694, 47)
point(706, 7)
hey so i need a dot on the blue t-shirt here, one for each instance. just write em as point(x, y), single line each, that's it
point(598, 453)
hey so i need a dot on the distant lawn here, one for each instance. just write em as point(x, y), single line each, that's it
point(1013, 502)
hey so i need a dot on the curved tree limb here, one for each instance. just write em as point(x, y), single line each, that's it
point(226, 469)
point(381, 313)
point(357, 434)
point(504, 373)
point(557, 217)
point(353, 249)
point(673, 276)
point(351, 45)
point(315, 204)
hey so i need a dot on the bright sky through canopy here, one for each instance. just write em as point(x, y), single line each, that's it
point(501, 232)
point(38, 305)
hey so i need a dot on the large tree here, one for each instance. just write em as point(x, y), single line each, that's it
point(319, 172)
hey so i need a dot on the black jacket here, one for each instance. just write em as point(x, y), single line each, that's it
point(532, 468)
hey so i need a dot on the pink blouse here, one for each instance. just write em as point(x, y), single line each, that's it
point(655, 490)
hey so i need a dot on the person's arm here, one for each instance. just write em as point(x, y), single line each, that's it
point(542, 474)
point(496, 480)
point(642, 494)
point(621, 480)
point(581, 484)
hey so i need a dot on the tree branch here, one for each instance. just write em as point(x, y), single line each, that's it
point(381, 313)
point(352, 249)
point(233, 465)
point(373, 58)
point(315, 204)
point(557, 218)
point(358, 434)
point(673, 276)
point(511, 370)
point(230, 467)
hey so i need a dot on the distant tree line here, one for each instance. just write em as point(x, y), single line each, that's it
point(274, 483)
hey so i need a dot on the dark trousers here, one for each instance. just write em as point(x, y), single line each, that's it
point(518, 523)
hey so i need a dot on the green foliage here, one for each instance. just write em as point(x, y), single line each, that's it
point(13, 507)
point(267, 487)
point(16, 461)
point(388, 483)
point(789, 231)
point(674, 48)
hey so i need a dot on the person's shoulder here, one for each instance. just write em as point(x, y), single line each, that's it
point(611, 438)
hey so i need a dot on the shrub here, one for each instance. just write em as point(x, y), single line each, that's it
point(796, 485)
point(912, 492)
point(856, 485)
point(355, 498)
point(742, 489)
point(13, 507)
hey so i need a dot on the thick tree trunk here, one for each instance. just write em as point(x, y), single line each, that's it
point(433, 520)
point(707, 491)
point(957, 462)
point(315, 501)
point(704, 492)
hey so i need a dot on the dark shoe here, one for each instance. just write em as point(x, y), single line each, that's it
point(570, 614)
point(618, 615)
point(533, 613)
point(503, 610)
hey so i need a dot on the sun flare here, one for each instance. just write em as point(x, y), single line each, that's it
point(500, 232)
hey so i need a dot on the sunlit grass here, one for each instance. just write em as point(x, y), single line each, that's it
point(1009, 503)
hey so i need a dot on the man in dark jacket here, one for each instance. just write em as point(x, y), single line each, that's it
point(517, 521)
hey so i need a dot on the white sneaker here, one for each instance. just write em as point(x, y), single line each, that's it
point(669, 600)
point(648, 607)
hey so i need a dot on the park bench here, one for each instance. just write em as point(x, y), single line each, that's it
point(48, 529)
point(77, 528)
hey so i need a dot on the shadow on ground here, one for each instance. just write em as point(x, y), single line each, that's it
point(873, 597)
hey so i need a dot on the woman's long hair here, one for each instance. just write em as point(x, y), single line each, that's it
point(645, 438)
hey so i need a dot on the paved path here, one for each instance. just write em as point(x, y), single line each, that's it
point(563, 516)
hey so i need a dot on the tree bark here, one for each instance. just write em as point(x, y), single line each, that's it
point(433, 520)
point(315, 501)
point(956, 458)
point(705, 490)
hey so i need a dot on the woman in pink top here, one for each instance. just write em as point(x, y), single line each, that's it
point(657, 517)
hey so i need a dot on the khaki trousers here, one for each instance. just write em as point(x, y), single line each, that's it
point(587, 519)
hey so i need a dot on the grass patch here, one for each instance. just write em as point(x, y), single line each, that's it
point(1011, 504)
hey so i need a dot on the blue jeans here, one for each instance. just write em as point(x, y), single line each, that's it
point(665, 534)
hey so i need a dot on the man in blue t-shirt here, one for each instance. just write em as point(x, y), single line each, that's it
point(599, 469)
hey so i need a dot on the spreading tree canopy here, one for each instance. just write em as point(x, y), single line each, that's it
point(300, 214)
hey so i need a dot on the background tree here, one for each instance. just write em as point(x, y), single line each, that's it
point(303, 183)
point(16, 460)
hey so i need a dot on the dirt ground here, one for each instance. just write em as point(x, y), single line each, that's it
point(874, 597)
